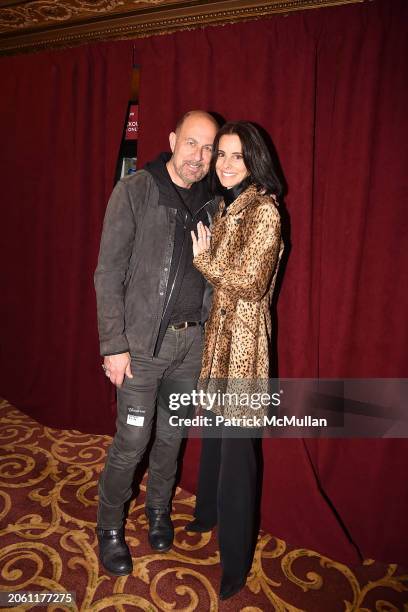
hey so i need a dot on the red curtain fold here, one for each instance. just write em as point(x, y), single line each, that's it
point(329, 86)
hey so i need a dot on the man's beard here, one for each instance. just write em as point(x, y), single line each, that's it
point(187, 177)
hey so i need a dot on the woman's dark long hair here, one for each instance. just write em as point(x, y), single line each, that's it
point(256, 155)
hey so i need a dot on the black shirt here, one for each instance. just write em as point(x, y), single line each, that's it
point(188, 302)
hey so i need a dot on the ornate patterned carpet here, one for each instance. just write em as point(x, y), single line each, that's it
point(47, 542)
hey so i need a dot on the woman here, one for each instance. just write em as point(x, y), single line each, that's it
point(240, 259)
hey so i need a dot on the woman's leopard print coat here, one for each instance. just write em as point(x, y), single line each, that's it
point(242, 264)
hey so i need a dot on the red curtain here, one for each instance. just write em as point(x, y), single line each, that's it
point(62, 116)
point(329, 86)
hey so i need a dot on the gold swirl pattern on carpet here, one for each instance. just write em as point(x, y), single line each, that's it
point(48, 499)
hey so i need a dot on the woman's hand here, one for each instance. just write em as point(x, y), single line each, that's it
point(202, 243)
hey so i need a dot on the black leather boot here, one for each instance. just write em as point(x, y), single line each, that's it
point(231, 586)
point(114, 552)
point(161, 531)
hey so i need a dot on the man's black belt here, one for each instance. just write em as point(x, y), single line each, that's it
point(183, 325)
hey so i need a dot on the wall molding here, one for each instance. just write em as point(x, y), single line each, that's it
point(39, 24)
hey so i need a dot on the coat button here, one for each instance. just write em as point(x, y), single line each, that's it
point(238, 220)
point(223, 311)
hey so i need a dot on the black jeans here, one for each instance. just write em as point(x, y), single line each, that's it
point(226, 495)
point(179, 360)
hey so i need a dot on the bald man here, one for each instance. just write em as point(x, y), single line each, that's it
point(151, 303)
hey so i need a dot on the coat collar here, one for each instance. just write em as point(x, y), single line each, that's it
point(242, 201)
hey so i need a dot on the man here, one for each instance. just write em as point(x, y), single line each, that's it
point(150, 305)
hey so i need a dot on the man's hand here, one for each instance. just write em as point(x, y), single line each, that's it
point(117, 367)
point(203, 242)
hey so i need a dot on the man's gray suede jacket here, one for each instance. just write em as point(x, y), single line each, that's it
point(133, 267)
